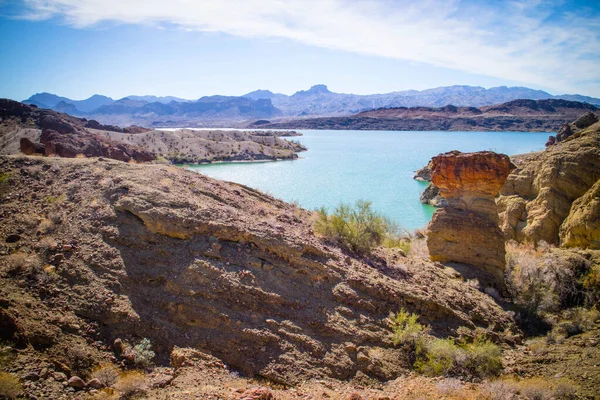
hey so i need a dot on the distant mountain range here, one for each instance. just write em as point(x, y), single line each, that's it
point(318, 101)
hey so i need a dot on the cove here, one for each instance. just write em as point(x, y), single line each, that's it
point(378, 166)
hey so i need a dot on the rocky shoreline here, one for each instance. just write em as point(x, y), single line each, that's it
point(46, 132)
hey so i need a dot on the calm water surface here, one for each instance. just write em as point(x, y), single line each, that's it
point(344, 166)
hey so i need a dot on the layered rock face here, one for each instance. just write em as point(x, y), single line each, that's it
point(551, 197)
point(164, 253)
point(466, 230)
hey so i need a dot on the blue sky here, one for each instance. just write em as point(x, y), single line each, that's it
point(76, 48)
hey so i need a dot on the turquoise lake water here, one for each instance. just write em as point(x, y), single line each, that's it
point(344, 166)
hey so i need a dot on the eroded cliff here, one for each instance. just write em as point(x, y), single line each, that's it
point(550, 188)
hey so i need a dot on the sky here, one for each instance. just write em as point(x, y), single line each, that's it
point(192, 48)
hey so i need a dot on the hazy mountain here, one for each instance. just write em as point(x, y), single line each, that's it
point(49, 100)
point(318, 101)
point(157, 99)
point(263, 94)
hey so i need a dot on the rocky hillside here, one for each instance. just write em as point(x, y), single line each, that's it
point(553, 195)
point(98, 250)
point(517, 115)
point(32, 130)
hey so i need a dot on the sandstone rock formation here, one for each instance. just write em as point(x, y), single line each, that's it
point(116, 250)
point(581, 228)
point(539, 195)
point(466, 231)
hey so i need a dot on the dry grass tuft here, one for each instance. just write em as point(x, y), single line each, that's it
point(10, 386)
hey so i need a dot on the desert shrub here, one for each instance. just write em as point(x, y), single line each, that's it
point(131, 383)
point(565, 389)
point(478, 359)
point(500, 390)
point(5, 178)
point(535, 388)
point(141, 354)
point(79, 359)
point(10, 386)
point(591, 284)
point(358, 227)
point(572, 322)
point(544, 280)
point(406, 329)
point(439, 357)
point(107, 374)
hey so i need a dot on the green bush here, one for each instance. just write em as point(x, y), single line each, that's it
point(358, 227)
point(470, 358)
point(406, 328)
point(479, 359)
point(438, 358)
point(143, 354)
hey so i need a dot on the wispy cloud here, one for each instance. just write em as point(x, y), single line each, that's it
point(553, 44)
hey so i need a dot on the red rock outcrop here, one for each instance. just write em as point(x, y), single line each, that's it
point(466, 231)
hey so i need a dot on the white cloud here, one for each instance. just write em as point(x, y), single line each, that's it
point(531, 41)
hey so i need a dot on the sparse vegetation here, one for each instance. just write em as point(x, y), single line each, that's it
point(5, 178)
point(535, 388)
point(141, 354)
point(131, 384)
point(475, 358)
point(544, 280)
point(358, 228)
point(107, 374)
point(10, 386)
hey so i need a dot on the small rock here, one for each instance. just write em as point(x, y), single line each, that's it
point(31, 376)
point(95, 384)
point(59, 376)
point(76, 382)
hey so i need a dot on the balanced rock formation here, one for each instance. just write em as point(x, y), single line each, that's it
point(542, 193)
point(466, 231)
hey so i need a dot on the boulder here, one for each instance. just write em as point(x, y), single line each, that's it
point(586, 120)
point(551, 141)
point(28, 147)
point(76, 382)
point(564, 132)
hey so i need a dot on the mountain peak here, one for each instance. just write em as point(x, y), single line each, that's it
point(316, 89)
